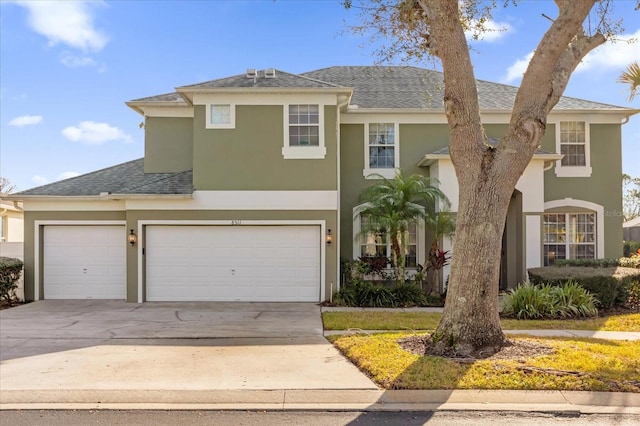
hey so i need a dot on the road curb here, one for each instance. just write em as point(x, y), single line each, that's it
point(325, 400)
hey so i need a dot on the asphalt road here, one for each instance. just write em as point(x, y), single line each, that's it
point(280, 418)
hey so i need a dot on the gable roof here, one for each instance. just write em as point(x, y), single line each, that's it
point(632, 223)
point(126, 178)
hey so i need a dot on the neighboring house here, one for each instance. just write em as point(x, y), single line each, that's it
point(11, 221)
point(631, 230)
point(249, 188)
point(12, 234)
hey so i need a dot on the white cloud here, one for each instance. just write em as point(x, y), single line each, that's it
point(66, 22)
point(492, 31)
point(67, 175)
point(40, 180)
point(516, 71)
point(73, 61)
point(613, 55)
point(93, 133)
point(25, 120)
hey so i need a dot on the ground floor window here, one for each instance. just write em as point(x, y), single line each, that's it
point(379, 243)
point(569, 236)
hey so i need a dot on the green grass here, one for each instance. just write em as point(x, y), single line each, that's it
point(371, 320)
point(574, 364)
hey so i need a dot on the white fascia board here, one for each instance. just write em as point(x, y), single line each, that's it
point(168, 111)
point(243, 200)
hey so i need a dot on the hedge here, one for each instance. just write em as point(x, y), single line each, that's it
point(610, 285)
point(10, 270)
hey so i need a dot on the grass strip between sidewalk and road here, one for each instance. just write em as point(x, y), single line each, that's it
point(386, 320)
point(575, 364)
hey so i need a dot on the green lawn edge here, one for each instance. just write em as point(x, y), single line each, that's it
point(386, 320)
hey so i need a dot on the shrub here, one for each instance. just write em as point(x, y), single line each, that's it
point(595, 263)
point(365, 294)
point(529, 301)
point(630, 262)
point(10, 270)
point(630, 248)
point(609, 285)
point(633, 296)
point(408, 295)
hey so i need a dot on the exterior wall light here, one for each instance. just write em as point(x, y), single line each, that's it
point(329, 236)
point(132, 238)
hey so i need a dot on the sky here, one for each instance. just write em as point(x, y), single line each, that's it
point(66, 68)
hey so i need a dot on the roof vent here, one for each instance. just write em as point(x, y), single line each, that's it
point(270, 73)
point(252, 73)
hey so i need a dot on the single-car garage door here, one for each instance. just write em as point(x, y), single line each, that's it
point(233, 263)
point(84, 262)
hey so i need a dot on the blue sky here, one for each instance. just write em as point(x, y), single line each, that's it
point(68, 67)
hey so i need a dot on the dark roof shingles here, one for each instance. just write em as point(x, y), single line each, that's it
point(125, 178)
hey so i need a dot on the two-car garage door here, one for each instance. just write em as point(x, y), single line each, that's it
point(186, 263)
point(233, 263)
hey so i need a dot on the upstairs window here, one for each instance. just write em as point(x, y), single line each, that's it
point(304, 125)
point(572, 141)
point(304, 132)
point(381, 150)
point(221, 116)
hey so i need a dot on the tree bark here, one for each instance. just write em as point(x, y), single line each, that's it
point(487, 175)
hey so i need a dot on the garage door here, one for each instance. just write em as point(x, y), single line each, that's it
point(84, 262)
point(233, 263)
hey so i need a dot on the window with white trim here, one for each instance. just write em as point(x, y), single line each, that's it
point(304, 133)
point(221, 116)
point(379, 243)
point(572, 141)
point(569, 236)
point(381, 150)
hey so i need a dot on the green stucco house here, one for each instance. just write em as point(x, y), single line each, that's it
point(249, 187)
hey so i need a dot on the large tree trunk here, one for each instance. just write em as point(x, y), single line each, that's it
point(487, 175)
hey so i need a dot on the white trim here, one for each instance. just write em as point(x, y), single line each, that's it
point(311, 152)
point(36, 242)
point(597, 208)
point(274, 98)
point(574, 171)
point(184, 111)
point(321, 223)
point(420, 235)
point(232, 116)
point(243, 200)
point(388, 173)
point(95, 204)
point(533, 240)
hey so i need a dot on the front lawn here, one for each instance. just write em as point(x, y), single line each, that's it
point(371, 320)
point(553, 364)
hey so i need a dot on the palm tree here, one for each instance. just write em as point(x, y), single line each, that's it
point(392, 205)
point(631, 77)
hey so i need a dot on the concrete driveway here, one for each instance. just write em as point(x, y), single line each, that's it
point(57, 347)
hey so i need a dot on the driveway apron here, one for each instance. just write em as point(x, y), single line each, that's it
point(112, 345)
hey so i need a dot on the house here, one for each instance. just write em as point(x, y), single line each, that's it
point(631, 229)
point(11, 221)
point(248, 189)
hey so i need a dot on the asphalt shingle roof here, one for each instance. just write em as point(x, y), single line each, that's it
point(125, 178)
point(282, 80)
point(166, 97)
point(413, 87)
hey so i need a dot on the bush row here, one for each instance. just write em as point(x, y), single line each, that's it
point(569, 300)
point(626, 262)
point(611, 285)
point(367, 294)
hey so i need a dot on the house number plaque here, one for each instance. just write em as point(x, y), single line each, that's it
point(236, 222)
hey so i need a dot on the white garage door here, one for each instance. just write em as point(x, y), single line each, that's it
point(233, 263)
point(84, 262)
